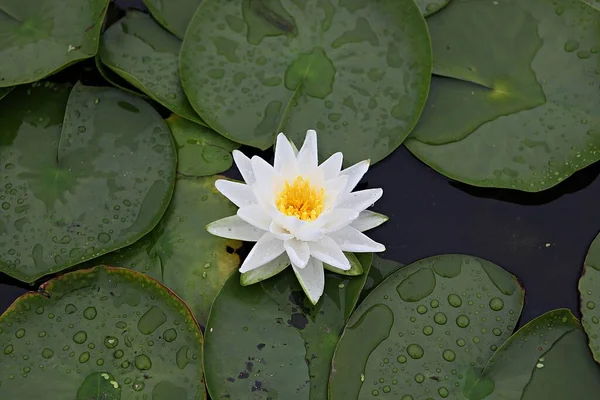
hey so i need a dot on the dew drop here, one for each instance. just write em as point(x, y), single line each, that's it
point(421, 309)
point(70, 308)
point(428, 330)
point(8, 349)
point(111, 342)
point(47, 353)
point(496, 304)
point(142, 362)
point(443, 392)
point(454, 300)
point(449, 355)
point(462, 321)
point(461, 342)
point(169, 335)
point(590, 305)
point(419, 378)
point(440, 318)
point(84, 357)
point(401, 359)
point(80, 337)
point(90, 313)
point(20, 333)
point(497, 331)
point(415, 351)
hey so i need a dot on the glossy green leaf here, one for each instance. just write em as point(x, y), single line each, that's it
point(147, 56)
point(419, 331)
point(516, 104)
point(80, 182)
point(103, 333)
point(115, 80)
point(589, 291)
point(174, 15)
point(380, 269)
point(267, 341)
point(41, 37)
point(546, 359)
point(429, 7)
point(180, 253)
point(356, 71)
point(200, 150)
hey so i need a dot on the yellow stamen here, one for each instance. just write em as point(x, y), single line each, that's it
point(300, 199)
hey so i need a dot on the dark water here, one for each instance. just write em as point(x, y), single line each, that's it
point(542, 238)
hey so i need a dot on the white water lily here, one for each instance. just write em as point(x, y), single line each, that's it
point(299, 213)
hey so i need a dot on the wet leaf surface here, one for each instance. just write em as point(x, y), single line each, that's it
point(174, 15)
point(589, 292)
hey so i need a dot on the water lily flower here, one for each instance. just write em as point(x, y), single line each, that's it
point(299, 213)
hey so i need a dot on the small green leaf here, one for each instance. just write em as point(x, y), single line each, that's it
point(86, 173)
point(200, 150)
point(102, 333)
point(42, 37)
point(589, 291)
point(173, 15)
point(356, 71)
point(268, 340)
point(147, 56)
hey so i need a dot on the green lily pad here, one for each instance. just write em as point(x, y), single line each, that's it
point(200, 150)
point(589, 291)
point(42, 37)
point(267, 341)
point(380, 269)
point(521, 117)
point(180, 253)
point(102, 333)
point(147, 56)
point(83, 173)
point(115, 80)
point(418, 331)
point(429, 7)
point(173, 15)
point(356, 71)
point(540, 361)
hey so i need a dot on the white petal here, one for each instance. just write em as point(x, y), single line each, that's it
point(358, 201)
point(349, 239)
point(332, 166)
point(266, 271)
point(279, 232)
point(284, 153)
point(265, 250)
point(307, 156)
point(263, 171)
point(312, 279)
point(339, 218)
point(245, 166)
point(255, 215)
point(328, 251)
point(240, 194)
point(335, 188)
point(355, 174)
point(235, 228)
point(298, 251)
point(368, 220)
point(263, 193)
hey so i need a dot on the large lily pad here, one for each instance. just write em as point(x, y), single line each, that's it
point(174, 15)
point(38, 38)
point(419, 331)
point(80, 186)
point(589, 290)
point(501, 115)
point(103, 333)
point(356, 71)
point(180, 253)
point(200, 150)
point(266, 341)
point(380, 269)
point(117, 81)
point(147, 56)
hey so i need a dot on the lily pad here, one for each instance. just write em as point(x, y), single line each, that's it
point(267, 341)
point(200, 150)
point(103, 333)
point(356, 71)
point(521, 117)
point(180, 253)
point(147, 56)
point(173, 15)
point(419, 331)
point(115, 80)
point(45, 36)
point(589, 290)
point(540, 361)
point(78, 183)
point(429, 7)
point(380, 269)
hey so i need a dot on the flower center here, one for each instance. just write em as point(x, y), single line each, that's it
point(301, 200)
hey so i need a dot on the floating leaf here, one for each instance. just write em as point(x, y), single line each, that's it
point(429, 7)
point(516, 106)
point(115, 80)
point(98, 185)
point(180, 253)
point(200, 150)
point(102, 333)
point(424, 326)
point(267, 341)
point(147, 56)
point(358, 72)
point(174, 15)
point(589, 290)
point(45, 36)
point(380, 269)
